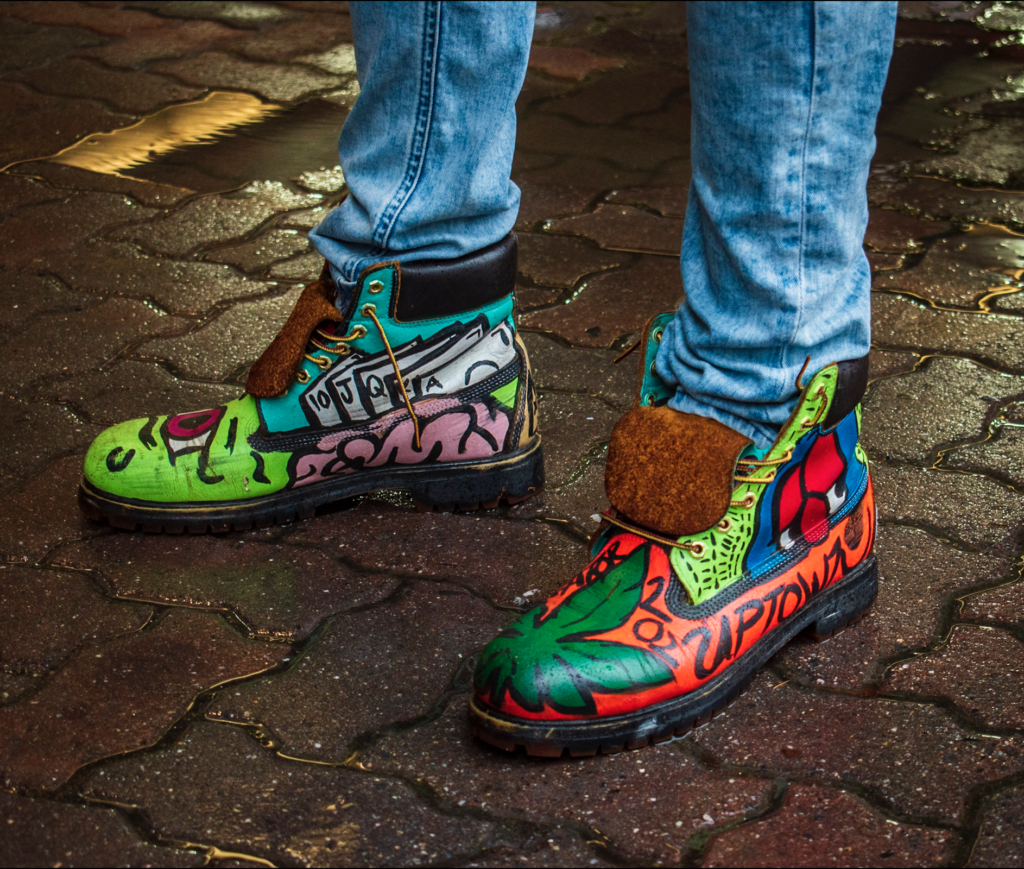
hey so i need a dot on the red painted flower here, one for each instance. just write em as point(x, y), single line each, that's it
point(809, 492)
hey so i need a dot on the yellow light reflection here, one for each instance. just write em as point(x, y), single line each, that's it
point(191, 123)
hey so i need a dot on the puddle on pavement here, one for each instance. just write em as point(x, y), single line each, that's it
point(215, 144)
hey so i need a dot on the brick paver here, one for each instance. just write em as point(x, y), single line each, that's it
point(296, 695)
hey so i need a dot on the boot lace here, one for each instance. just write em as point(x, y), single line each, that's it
point(341, 348)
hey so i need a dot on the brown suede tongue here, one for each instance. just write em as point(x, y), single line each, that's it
point(672, 472)
point(273, 372)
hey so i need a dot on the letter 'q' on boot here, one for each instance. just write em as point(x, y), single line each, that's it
point(712, 557)
point(422, 384)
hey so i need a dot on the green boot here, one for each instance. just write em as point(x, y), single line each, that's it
point(422, 384)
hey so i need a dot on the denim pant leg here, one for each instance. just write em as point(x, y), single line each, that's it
point(785, 96)
point(427, 149)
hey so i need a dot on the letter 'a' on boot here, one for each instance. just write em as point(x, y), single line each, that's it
point(712, 557)
point(422, 384)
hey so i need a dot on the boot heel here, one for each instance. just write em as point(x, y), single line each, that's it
point(512, 480)
point(848, 602)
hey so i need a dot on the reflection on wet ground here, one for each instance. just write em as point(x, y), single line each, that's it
point(166, 130)
point(296, 695)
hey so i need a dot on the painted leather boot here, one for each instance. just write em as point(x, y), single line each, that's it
point(712, 557)
point(422, 384)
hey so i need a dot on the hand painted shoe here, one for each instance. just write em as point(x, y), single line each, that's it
point(423, 384)
point(712, 558)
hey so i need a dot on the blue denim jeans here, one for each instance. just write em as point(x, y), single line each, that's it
point(785, 96)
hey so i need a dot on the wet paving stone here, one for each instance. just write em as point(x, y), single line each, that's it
point(619, 95)
point(894, 232)
point(43, 512)
point(626, 148)
point(128, 389)
point(305, 267)
point(217, 786)
point(225, 346)
point(554, 847)
point(219, 218)
point(19, 191)
point(44, 124)
point(576, 428)
point(964, 507)
point(1001, 454)
point(98, 334)
point(887, 747)
point(667, 201)
point(47, 614)
point(990, 338)
point(593, 173)
point(645, 804)
point(256, 255)
point(279, 593)
point(78, 715)
point(560, 262)
point(252, 16)
point(312, 33)
point(35, 435)
point(1001, 839)
point(105, 21)
point(985, 153)
point(26, 46)
point(944, 401)
point(216, 69)
point(49, 833)
point(512, 563)
point(827, 827)
point(174, 39)
point(574, 64)
point(34, 233)
point(623, 227)
point(917, 575)
point(1004, 605)
point(980, 669)
point(136, 92)
point(575, 505)
point(612, 305)
point(304, 219)
point(547, 201)
point(886, 363)
point(934, 199)
point(61, 177)
point(369, 670)
point(121, 269)
point(559, 369)
point(944, 278)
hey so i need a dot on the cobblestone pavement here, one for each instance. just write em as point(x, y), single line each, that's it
point(297, 695)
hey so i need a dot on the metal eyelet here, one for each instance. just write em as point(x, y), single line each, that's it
point(725, 524)
point(375, 287)
point(653, 372)
point(357, 333)
point(649, 399)
point(749, 501)
point(806, 422)
point(698, 550)
point(366, 310)
point(322, 362)
point(657, 335)
point(303, 376)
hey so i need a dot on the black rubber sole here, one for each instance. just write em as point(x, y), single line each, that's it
point(509, 478)
point(830, 613)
